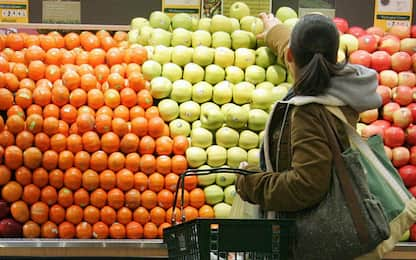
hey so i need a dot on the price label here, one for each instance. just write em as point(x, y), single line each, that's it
point(395, 22)
point(14, 11)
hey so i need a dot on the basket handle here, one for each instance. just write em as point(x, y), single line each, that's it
point(195, 172)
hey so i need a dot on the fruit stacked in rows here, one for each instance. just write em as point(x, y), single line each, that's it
point(84, 152)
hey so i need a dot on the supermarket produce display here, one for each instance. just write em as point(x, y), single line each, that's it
point(97, 127)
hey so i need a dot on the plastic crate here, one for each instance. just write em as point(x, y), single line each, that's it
point(204, 239)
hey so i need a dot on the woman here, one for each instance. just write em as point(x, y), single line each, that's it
point(295, 156)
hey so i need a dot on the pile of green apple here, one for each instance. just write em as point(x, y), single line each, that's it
point(215, 83)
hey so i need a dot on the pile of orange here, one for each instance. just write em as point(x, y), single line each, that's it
point(83, 150)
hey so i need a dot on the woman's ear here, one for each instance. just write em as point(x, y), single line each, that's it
point(289, 55)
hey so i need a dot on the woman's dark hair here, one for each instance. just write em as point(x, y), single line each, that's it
point(314, 44)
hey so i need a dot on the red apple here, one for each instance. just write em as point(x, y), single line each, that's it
point(412, 159)
point(370, 130)
point(408, 174)
point(367, 42)
point(4, 209)
point(408, 45)
point(402, 117)
point(361, 57)
point(385, 93)
point(403, 95)
point(388, 110)
point(411, 135)
point(374, 30)
point(388, 152)
point(381, 60)
point(400, 31)
point(357, 31)
point(401, 61)
point(341, 23)
point(10, 228)
point(369, 116)
point(413, 31)
point(394, 136)
point(407, 78)
point(412, 107)
point(413, 227)
point(389, 78)
point(414, 62)
point(390, 44)
point(401, 156)
point(382, 123)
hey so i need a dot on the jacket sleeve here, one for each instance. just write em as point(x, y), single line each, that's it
point(308, 181)
point(277, 39)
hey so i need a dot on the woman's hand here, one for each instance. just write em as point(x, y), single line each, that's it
point(269, 21)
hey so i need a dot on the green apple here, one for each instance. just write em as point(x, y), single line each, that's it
point(265, 85)
point(234, 74)
point(195, 23)
point(160, 87)
point(242, 39)
point(211, 116)
point(244, 57)
point(159, 19)
point(229, 194)
point(235, 23)
point(242, 92)
point(201, 38)
point(149, 49)
point(221, 23)
point(203, 55)
point(206, 180)
point(265, 57)
point(196, 124)
point(276, 74)
point(193, 73)
point(253, 157)
point(182, 55)
point(221, 39)
point(224, 57)
point(138, 22)
point(162, 54)
point(291, 22)
point(279, 93)
point(341, 56)
point(257, 119)
point(213, 194)
point(171, 71)
point(284, 13)
point(236, 117)
point(286, 85)
point(222, 92)
point(348, 43)
point(168, 109)
point(405, 237)
point(182, 20)
point(189, 111)
point(144, 35)
point(151, 69)
point(255, 74)
point(227, 137)
point(239, 9)
point(261, 98)
point(236, 155)
point(181, 36)
point(222, 210)
point(204, 24)
point(217, 156)
point(160, 37)
point(248, 140)
point(252, 24)
point(196, 156)
point(179, 127)
point(181, 91)
point(214, 74)
point(201, 92)
point(226, 106)
point(201, 137)
point(290, 78)
point(246, 107)
point(133, 36)
point(225, 179)
point(261, 137)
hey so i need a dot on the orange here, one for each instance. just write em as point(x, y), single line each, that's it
point(190, 213)
point(150, 230)
point(7, 99)
point(136, 111)
point(185, 198)
point(66, 160)
point(71, 40)
point(151, 112)
point(103, 123)
point(68, 113)
point(47, 42)
point(51, 110)
point(20, 71)
point(34, 52)
point(108, 215)
point(141, 215)
point(197, 198)
point(107, 42)
point(85, 122)
point(23, 98)
point(36, 70)
point(144, 99)
point(27, 84)
point(156, 182)
point(129, 143)
point(116, 161)
point(78, 97)
point(136, 55)
point(66, 230)
point(39, 212)
point(148, 163)
point(140, 181)
point(60, 95)
point(91, 214)
point(50, 126)
point(177, 215)
point(49, 195)
point(191, 182)
point(15, 124)
point(100, 230)
point(13, 157)
point(20, 211)
point(31, 229)
point(53, 56)
point(59, 39)
point(72, 178)
point(134, 230)
point(115, 81)
point(122, 111)
point(110, 142)
point(165, 198)
point(124, 215)
point(15, 41)
point(163, 164)
point(206, 211)
point(82, 160)
point(117, 231)
point(56, 178)
point(128, 97)
point(179, 164)
point(34, 123)
point(32, 157)
point(132, 198)
point(161, 228)
point(5, 175)
point(65, 197)
point(24, 139)
point(112, 98)
point(67, 57)
point(22, 175)
point(114, 56)
point(74, 214)
point(95, 98)
point(90, 180)
point(83, 230)
point(125, 179)
point(139, 126)
point(156, 126)
point(49, 230)
point(71, 79)
point(57, 214)
point(31, 40)
point(98, 161)
point(58, 142)
point(98, 198)
point(157, 215)
point(81, 197)
point(115, 198)
point(148, 199)
point(180, 144)
point(101, 72)
point(96, 57)
point(91, 141)
point(41, 96)
point(7, 138)
point(88, 82)
point(120, 36)
point(81, 57)
point(132, 162)
point(90, 42)
point(107, 179)
point(74, 143)
point(12, 81)
point(31, 194)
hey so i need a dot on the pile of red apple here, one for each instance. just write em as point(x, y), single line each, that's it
point(392, 54)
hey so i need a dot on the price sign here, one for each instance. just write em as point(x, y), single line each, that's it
point(388, 13)
point(14, 11)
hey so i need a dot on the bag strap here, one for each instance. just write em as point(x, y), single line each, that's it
point(366, 151)
point(351, 197)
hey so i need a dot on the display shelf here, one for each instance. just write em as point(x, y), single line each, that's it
point(403, 251)
point(66, 27)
